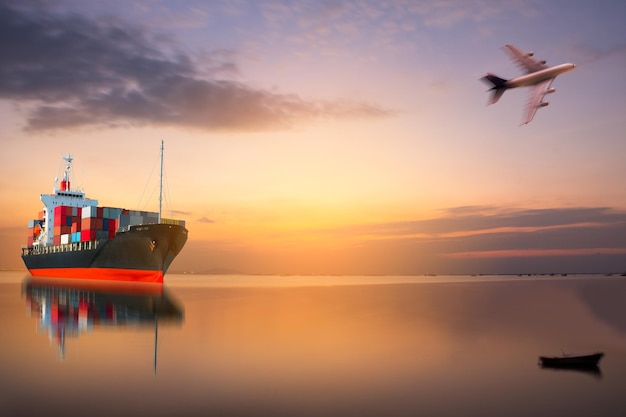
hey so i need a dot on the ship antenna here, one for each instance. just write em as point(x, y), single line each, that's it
point(65, 183)
point(161, 183)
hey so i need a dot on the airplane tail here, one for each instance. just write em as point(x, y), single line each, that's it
point(499, 87)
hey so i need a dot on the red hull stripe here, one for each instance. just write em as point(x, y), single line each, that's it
point(100, 286)
point(102, 274)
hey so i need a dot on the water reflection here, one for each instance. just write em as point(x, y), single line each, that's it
point(65, 309)
point(326, 350)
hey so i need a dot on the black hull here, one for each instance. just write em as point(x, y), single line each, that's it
point(585, 361)
point(143, 253)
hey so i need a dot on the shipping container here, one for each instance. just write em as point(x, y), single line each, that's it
point(58, 215)
point(87, 212)
point(124, 221)
point(87, 235)
point(88, 223)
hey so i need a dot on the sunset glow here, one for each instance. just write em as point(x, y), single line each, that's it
point(325, 137)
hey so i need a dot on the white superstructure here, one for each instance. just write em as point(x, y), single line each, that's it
point(62, 195)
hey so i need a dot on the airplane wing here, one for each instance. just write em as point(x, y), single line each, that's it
point(536, 97)
point(524, 60)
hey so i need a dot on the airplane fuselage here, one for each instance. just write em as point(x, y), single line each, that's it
point(538, 77)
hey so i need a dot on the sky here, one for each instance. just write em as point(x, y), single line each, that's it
point(325, 137)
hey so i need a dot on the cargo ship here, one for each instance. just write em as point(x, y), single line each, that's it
point(74, 237)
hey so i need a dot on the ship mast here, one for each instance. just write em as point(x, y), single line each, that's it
point(65, 183)
point(161, 183)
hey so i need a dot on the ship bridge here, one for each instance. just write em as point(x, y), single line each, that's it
point(62, 195)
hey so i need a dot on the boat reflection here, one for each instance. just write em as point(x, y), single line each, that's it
point(65, 309)
point(589, 370)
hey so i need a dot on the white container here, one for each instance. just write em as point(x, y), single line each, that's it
point(87, 212)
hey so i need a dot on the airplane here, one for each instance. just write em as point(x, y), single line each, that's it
point(538, 75)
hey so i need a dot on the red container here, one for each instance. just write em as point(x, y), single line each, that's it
point(30, 241)
point(87, 235)
point(58, 215)
point(112, 233)
point(100, 212)
point(56, 240)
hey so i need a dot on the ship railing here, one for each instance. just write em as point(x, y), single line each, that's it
point(67, 247)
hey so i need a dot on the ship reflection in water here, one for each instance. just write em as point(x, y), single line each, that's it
point(65, 309)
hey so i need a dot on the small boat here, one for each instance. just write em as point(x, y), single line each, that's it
point(571, 361)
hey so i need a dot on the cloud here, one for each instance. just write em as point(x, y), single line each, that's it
point(205, 220)
point(491, 239)
point(471, 220)
point(69, 71)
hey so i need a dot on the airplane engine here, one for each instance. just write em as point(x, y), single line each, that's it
point(530, 53)
point(543, 104)
point(543, 61)
point(551, 90)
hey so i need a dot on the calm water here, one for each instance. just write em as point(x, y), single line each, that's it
point(312, 346)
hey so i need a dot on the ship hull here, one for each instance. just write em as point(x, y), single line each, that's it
point(141, 254)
